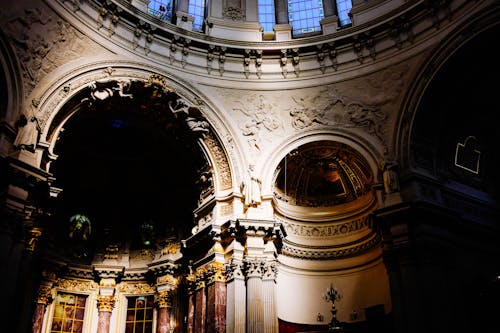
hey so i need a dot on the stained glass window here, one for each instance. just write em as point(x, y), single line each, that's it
point(139, 314)
point(266, 15)
point(304, 15)
point(68, 313)
point(343, 9)
point(161, 9)
point(197, 10)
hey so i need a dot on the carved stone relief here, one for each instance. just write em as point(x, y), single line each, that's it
point(44, 43)
point(76, 285)
point(221, 161)
point(321, 231)
point(260, 118)
point(328, 107)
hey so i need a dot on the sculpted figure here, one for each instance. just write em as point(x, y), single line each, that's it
point(27, 133)
point(251, 188)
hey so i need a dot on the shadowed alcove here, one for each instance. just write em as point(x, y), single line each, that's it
point(128, 166)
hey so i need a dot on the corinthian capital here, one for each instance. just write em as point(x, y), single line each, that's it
point(163, 299)
point(105, 303)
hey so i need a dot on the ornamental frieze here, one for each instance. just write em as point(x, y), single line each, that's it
point(76, 285)
point(136, 288)
point(337, 229)
point(221, 162)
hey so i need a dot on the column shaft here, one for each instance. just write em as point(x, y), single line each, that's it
point(255, 315)
point(163, 320)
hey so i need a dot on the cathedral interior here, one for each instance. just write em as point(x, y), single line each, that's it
point(249, 166)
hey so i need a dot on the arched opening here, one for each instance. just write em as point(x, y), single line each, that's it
point(128, 165)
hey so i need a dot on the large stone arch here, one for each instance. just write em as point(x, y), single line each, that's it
point(78, 83)
point(444, 51)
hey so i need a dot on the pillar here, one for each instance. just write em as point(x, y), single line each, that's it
point(236, 315)
point(105, 305)
point(191, 311)
point(164, 304)
point(269, 297)
point(44, 298)
point(200, 315)
point(216, 299)
point(255, 304)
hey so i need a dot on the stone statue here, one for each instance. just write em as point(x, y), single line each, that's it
point(390, 177)
point(251, 188)
point(27, 133)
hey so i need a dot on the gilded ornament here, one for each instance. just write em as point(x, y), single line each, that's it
point(105, 303)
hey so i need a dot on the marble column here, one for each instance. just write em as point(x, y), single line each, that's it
point(105, 305)
point(200, 316)
point(216, 299)
point(164, 304)
point(191, 312)
point(43, 299)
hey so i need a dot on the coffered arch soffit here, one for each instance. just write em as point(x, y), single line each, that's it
point(437, 59)
point(55, 105)
point(364, 149)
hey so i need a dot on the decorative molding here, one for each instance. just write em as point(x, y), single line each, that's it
point(44, 295)
point(215, 273)
point(254, 267)
point(221, 161)
point(76, 285)
point(234, 13)
point(138, 288)
point(329, 254)
point(323, 231)
point(163, 299)
point(234, 270)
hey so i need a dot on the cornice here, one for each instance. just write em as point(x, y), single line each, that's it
point(397, 32)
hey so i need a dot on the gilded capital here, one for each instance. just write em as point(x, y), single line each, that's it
point(44, 295)
point(34, 236)
point(105, 303)
point(163, 299)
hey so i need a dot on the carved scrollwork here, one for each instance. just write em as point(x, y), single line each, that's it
point(136, 288)
point(76, 285)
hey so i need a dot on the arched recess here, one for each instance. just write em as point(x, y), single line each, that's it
point(165, 102)
point(479, 64)
point(324, 189)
